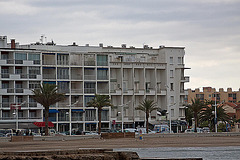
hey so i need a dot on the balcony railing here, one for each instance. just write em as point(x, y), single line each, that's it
point(77, 118)
point(49, 76)
point(102, 77)
point(89, 63)
point(102, 91)
point(49, 62)
point(89, 90)
point(5, 75)
point(63, 118)
point(89, 77)
point(76, 90)
point(19, 118)
point(102, 63)
point(90, 118)
point(77, 76)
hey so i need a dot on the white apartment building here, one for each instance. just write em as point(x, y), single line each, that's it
point(127, 74)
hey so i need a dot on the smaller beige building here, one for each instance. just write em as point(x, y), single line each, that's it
point(210, 93)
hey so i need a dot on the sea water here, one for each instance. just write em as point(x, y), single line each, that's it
point(207, 153)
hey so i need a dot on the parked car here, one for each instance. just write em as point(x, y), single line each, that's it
point(206, 129)
point(199, 130)
point(129, 130)
point(2, 135)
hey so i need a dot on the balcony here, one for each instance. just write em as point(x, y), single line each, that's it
point(139, 91)
point(185, 79)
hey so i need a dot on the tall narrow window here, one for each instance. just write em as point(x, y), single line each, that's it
point(171, 60)
point(171, 86)
point(171, 73)
point(179, 60)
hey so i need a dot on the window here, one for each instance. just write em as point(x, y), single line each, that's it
point(89, 87)
point(63, 87)
point(63, 73)
point(172, 112)
point(209, 96)
point(171, 86)
point(88, 99)
point(171, 99)
point(32, 114)
point(179, 60)
point(5, 84)
point(171, 73)
point(34, 57)
point(62, 59)
point(4, 55)
point(90, 115)
point(102, 60)
point(18, 70)
point(20, 56)
point(102, 74)
point(200, 96)
point(105, 115)
point(34, 70)
point(171, 60)
point(34, 84)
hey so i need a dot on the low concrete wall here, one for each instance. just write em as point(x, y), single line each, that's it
point(88, 154)
point(118, 135)
point(21, 138)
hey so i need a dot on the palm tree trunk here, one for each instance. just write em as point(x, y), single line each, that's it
point(46, 120)
point(195, 128)
point(99, 120)
point(147, 116)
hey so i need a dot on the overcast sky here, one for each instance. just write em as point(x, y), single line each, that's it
point(209, 29)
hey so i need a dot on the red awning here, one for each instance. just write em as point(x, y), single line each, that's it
point(42, 124)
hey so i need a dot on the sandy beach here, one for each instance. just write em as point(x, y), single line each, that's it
point(147, 142)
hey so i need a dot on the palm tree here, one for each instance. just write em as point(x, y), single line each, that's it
point(47, 95)
point(99, 101)
point(147, 106)
point(207, 114)
point(196, 108)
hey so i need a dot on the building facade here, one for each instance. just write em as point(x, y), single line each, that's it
point(210, 93)
point(127, 74)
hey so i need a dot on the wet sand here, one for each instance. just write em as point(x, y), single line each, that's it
point(147, 142)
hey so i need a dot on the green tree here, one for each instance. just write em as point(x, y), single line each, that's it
point(209, 116)
point(47, 95)
point(99, 101)
point(147, 106)
point(196, 108)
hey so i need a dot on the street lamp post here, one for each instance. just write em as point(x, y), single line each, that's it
point(215, 121)
point(16, 106)
point(122, 112)
point(170, 117)
point(70, 116)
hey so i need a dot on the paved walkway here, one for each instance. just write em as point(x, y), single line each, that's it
point(147, 142)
